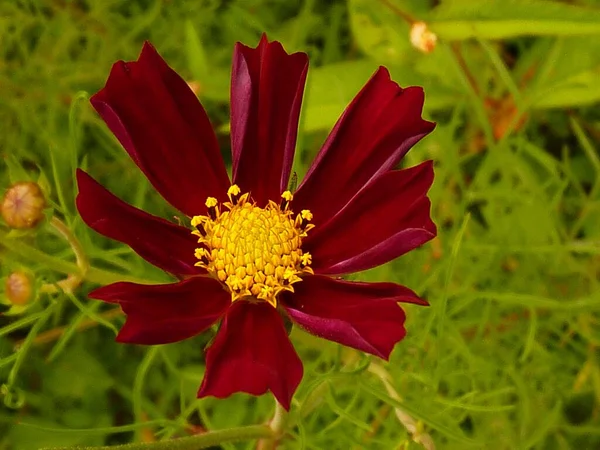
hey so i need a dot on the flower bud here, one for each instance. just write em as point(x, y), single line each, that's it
point(421, 38)
point(18, 289)
point(23, 205)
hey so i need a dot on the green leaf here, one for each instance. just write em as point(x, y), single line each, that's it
point(77, 374)
point(578, 90)
point(214, 84)
point(16, 172)
point(379, 33)
point(566, 73)
point(441, 428)
point(197, 59)
point(330, 89)
point(501, 19)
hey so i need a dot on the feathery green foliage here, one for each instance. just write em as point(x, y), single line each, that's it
point(506, 355)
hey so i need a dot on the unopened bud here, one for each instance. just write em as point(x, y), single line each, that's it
point(23, 205)
point(421, 38)
point(18, 288)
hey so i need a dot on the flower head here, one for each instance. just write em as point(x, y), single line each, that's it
point(254, 250)
point(23, 205)
point(19, 293)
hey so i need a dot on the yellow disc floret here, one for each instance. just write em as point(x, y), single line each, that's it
point(255, 252)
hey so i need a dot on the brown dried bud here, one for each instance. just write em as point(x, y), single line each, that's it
point(421, 38)
point(18, 288)
point(23, 205)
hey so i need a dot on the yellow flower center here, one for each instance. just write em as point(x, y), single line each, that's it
point(255, 252)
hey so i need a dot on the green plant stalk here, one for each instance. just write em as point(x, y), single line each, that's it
point(443, 301)
point(138, 385)
point(23, 349)
point(21, 323)
point(93, 274)
point(412, 426)
point(278, 426)
point(452, 30)
point(64, 231)
point(209, 439)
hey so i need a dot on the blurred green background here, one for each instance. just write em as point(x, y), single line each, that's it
point(506, 356)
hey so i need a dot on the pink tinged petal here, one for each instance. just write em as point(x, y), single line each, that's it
point(160, 122)
point(373, 134)
point(161, 243)
point(388, 218)
point(252, 353)
point(364, 316)
point(160, 314)
point(266, 94)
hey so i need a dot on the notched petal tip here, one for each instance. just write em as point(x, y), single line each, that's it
point(266, 94)
point(144, 233)
point(164, 313)
point(365, 316)
point(252, 353)
point(148, 47)
point(161, 124)
point(375, 131)
point(264, 40)
point(416, 301)
point(383, 74)
point(389, 217)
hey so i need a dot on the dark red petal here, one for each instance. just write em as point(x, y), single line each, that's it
point(165, 130)
point(266, 94)
point(375, 131)
point(164, 313)
point(388, 218)
point(252, 353)
point(159, 242)
point(365, 316)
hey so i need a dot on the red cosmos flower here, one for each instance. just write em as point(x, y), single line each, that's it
point(257, 250)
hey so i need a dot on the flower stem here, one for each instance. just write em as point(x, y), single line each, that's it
point(411, 425)
point(73, 280)
point(7, 388)
point(277, 425)
point(100, 276)
point(60, 227)
point(93, 274)
point(55, 333)
point(279, 420)
point(204, 440)
point(404, 15)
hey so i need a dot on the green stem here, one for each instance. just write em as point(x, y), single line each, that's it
point(8, 388)
point(100, 276)
point(278, 426)
point(138, 385)
point(93, 274)
point(279, 420)
point(209, 439)
point(60, 227)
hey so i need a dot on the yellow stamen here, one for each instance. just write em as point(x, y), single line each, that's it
point(255, 252)
point(233, 193)
point(306, 214)
point(213, 208)
point(286, 198)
